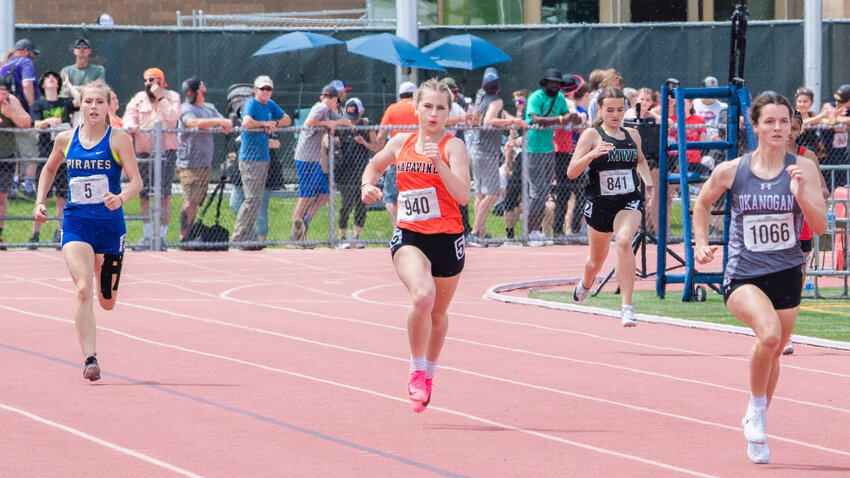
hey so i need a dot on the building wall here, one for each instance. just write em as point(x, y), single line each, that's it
point(159, 12)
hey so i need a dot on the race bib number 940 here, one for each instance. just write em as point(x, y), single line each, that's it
point(88, 189)
point(418, 205)
point(616, 182)
point(769, 232)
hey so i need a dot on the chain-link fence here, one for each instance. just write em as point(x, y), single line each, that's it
point(292, 189)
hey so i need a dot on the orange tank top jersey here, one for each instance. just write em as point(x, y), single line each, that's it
point(424, 203)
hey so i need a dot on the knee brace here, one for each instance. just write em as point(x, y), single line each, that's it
point(111, 266)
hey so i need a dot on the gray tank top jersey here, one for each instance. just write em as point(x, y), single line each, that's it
point(766, 224)
point(488, 142)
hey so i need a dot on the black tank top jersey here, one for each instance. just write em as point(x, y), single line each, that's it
point(613, 176)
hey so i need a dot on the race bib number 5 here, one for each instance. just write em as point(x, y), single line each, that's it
point(769, 232)
point(418, 205)
point(616, 182)
point(88, 189)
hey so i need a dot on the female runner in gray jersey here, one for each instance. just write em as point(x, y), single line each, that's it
point(771, 194)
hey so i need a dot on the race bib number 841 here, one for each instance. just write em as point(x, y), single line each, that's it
point(616, 182)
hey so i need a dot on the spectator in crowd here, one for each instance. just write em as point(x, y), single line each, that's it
point(21, 63)
point(114, 120)
point(486, 153)
point(354, 147)
point(808, 138)
point(400, 113)
point(22, 67)
point(512, 170)
point(834, 138)
point(565, 187)
point(53, 111)
point(611, 77)
point(804, 99)
point(694, 158)
point(12, 115)
point(81, 72)
point(546, 108)
point(259, 111)
point(342, 94)
point(459, 115)
point(152, 104)
point(644, 103)
point(237, 95)
point(195, 153)
point(312, 182)
point(594, 79)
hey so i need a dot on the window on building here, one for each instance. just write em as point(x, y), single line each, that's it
point(574, 11)
point(659, 11)
point(758, 9)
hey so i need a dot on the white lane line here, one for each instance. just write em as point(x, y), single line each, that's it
point(225, 295)
point(100, 441)
point(358, 296)
point(363, 352)
point(385, 396)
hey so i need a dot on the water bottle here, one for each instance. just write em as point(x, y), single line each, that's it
point(830, 218)
point(810, 284)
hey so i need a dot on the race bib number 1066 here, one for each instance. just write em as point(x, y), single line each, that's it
point(769, 232)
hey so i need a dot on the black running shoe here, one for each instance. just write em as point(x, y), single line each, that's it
point(92, 370)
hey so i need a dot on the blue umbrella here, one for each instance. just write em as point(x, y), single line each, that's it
point(392, 49)
point(296, 41)
point(465, 51)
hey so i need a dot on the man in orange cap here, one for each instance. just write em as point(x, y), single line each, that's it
point(147, 106)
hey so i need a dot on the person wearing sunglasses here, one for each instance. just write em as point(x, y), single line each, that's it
point(82, 71)
point(148, 106)
point(259, 112)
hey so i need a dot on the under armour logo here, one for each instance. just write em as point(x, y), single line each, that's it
point(766, 186)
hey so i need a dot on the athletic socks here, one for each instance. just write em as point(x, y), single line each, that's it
point(417, 363)
point(163, 230)
point(29, 184)
point(147, 229)
point(509, 232)
point(307, 220)
point(758, 401)
point(430, 368)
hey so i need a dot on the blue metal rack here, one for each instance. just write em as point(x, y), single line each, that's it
point(738, 99)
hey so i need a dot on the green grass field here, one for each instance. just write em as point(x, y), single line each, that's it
point(826, 319)
point(280, 219)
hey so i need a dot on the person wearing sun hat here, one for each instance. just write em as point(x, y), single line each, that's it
point(547, 108)
point(564, 186)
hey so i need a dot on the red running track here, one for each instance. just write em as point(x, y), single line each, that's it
point(294, 363)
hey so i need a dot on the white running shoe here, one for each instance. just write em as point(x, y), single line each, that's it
point(579, 292)
point(536, 239)
point(789, 348)
point(755, 428)
point(758, 452)
point(628, 317)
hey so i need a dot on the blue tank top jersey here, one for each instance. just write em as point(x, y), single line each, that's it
point(84, 196)
point(766, 224)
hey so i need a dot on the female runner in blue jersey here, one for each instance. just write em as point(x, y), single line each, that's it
point(772, 191)
point(93, 232)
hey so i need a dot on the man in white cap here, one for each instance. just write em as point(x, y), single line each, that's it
point(401, 113)
point(259, 111)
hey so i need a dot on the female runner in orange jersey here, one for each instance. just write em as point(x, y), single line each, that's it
point(428, 244)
